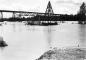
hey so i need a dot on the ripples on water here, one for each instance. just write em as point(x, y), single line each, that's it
point(27, 42)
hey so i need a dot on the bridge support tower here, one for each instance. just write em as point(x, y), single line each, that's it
point(13, 14)
point(49, 10)
point(1, 15)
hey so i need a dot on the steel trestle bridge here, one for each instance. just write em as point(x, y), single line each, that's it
point(48, 12)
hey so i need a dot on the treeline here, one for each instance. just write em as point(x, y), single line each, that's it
point(78, 17)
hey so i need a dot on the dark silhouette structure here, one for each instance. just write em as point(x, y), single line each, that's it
point(49, 9)
point(49, 16)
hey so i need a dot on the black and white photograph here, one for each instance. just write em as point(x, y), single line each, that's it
point(42, 29)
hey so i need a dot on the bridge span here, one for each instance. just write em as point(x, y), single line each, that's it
point(25, 13)
point(48, 15)
point(48, 12)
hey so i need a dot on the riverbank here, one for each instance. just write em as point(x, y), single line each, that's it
point(64, 54)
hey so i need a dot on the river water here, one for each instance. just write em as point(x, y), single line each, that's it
point(27, 42)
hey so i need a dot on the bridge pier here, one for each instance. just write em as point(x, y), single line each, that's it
point(1, 15)
point(13, 15)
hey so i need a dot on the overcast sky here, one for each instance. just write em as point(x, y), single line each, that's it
point(59, 6)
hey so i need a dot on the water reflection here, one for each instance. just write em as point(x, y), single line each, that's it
point(48, 35)
point(82, 35)
point(29, 42)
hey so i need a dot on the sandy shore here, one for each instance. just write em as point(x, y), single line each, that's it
point(64, 54)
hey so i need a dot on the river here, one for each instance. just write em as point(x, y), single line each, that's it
point(26, 42)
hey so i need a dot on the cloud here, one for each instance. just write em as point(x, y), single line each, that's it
point(19, 4)
point(40, 5)
point(68, 2)
point(67, 6)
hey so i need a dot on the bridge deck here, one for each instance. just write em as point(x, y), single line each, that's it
point(25, 12)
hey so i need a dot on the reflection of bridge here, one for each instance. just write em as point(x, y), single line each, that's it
point(49, 12)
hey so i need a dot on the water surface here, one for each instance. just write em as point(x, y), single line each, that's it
point(27, 42)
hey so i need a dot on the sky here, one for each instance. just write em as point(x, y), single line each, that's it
point(59, 6)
